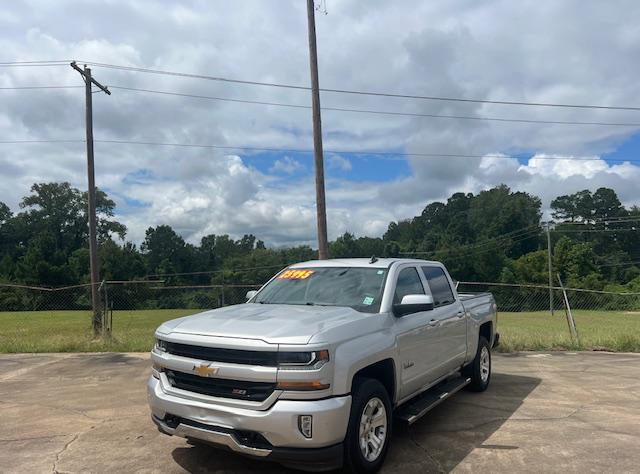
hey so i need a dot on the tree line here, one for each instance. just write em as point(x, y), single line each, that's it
point(496, 235)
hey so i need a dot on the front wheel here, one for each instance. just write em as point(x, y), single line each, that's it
point(480, 369)
point(369, 431)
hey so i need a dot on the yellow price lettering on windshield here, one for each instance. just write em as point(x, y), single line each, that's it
point(295, 274)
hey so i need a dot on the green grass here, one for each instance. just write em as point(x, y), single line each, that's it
point(617, 331)
point(70, 331)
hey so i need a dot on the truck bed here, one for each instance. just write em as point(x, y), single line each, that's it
point(470, 296)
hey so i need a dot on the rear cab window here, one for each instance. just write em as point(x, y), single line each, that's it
point(439, 286)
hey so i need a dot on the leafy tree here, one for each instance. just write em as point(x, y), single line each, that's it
point(164, 250)
point(575, 261)
point(344, 246)
point(5, 213)
point(490, 236)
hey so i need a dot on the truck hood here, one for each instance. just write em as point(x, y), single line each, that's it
point(271, 323)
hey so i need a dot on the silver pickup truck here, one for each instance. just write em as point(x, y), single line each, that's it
point(310, 371)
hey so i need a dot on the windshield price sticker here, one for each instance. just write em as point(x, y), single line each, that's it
point(295, 275)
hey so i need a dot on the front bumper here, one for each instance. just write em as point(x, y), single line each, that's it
point(308, 459)
point(277, 426)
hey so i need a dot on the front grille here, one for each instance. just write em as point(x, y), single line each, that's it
point(238, 389)
point(214, 354)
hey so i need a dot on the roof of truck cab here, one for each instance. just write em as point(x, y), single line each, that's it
point(358, 262)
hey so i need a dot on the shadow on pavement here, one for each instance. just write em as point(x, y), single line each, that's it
point(446, 435)
point(436, 443)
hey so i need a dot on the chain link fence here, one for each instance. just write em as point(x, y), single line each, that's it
point(517, 298)
point(37, 319)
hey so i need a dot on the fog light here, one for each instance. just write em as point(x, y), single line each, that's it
point(156, 369)
point(305, 425)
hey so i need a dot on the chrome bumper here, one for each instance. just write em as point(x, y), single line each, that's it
point(187, 430)
point(278, 425)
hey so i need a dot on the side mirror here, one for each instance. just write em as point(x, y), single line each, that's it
point(251, 294)
point(413, 304)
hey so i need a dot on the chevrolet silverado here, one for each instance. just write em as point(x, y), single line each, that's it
point(311, 370)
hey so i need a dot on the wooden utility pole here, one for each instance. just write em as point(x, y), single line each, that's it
point(91, 196)
point(321, 208)
point(550, 269)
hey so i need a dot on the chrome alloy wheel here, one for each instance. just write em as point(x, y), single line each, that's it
point(485, 364)
point(373, 429)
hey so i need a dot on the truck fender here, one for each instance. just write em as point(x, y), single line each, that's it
point(356, 354)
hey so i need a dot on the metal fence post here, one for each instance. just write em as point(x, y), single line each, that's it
point(573, 330)
point(222, 290)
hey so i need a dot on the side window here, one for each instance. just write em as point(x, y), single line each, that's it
point(439, 285)
point(409, 283)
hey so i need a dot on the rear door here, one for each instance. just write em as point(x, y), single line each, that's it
point(449, 313)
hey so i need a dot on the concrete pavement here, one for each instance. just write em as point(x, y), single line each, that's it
point(544, 412)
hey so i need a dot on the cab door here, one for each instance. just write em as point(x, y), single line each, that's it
point(417, 336)
point(451, 319)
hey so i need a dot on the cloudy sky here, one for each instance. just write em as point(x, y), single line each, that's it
point(557, 51)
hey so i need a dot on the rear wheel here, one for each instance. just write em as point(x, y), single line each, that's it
point(480, 369)
point(369, 431)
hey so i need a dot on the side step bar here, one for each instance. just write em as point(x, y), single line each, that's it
point(415, 409)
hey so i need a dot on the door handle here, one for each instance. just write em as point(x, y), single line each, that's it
point(460, 314)
point(433, 322)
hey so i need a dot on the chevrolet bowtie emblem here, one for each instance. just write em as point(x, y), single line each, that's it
point(205, 371)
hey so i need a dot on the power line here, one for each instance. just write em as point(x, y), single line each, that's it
point(338, 91)
point(346, 109)
point(227, 270)
point(349, 152)
point(491, 249)
point(17, 63)
point(602, 220)
point(535, 228)
point(378, 112)
point(18, 142)
point(357, 92)
point(34, 64)
point(39, 87)
point(307, 151)
point(619, 264)
point(592, 231)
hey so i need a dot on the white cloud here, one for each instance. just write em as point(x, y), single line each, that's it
point(339, 162)
point(496, 49)
point(286, 165)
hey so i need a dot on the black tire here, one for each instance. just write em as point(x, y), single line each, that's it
point(479, 383)
point(364, 390)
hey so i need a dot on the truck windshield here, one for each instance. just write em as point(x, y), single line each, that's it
point(357, 288)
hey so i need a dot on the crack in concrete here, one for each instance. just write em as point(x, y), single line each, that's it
point(24, 370)
point(59, 454)
point(67, 445)
point(33, 438)
point(436, 463)
point(51, 407)
point(502, 419)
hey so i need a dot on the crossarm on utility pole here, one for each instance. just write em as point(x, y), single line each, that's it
point(104, 89)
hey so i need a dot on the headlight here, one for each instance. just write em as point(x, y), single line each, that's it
point(161, 346)
point(302, 360)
